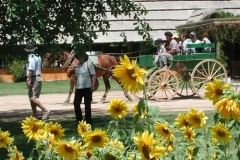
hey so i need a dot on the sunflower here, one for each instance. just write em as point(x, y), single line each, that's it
point(135, 111)
point(32, 128)
point(134, 156)
point(130, 74)
point(169, 146)
point(15, 154)
point(214, 141)
point(215, 89)
point(182, 121)
point(88, 154)
point(190, 152)
point(96, 138)
point(197, 119)
point(116, 144)
point(69, 150)
point(228, 107)
point(110, 156)
point(146, 146)
point(83, 128)
point(5, 139)
point(55, 129)
point(221, 133)
point(117, 108)
point(189, 134)
point(49, 140)
point(163, 130)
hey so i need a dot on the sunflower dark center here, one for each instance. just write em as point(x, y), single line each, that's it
point(185, 123)
point(34, 128)
point(189, 134)
point(221, 133)
point(96, 139)
point(130, 72)
point(219, 92)
point(110, 157)
point(84, 129)
point(165, 130)
point(117, 109)
point(89, 154)
point(1, 139)
point(55, 132)
point(197, 119)
point(146, 151)
point(68, 149)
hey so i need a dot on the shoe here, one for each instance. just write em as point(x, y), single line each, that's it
point(46, 115)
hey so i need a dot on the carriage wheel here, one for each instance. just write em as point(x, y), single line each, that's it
point(205, 72)
point(163, 85)
point(185, 85)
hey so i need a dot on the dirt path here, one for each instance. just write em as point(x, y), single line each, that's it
point(17, 106)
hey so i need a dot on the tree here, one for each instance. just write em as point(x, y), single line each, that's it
point(48, 21)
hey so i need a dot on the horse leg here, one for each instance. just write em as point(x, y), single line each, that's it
point(72, 84)
point(128, 96)
point(107, 88)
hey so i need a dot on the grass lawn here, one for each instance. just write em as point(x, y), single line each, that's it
point(48, 87)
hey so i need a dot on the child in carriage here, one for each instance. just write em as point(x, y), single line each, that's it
point(162, 58)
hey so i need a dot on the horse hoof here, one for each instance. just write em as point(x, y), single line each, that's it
point(100, 102)
point(129, 98)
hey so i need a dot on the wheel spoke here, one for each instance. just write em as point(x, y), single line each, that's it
point(213, 68)
point(204, 75)
point(216, 72)
point(204, 72)
point(163, 85)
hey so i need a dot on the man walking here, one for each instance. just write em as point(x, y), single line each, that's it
point(34, 81)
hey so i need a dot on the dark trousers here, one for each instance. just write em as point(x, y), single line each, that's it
point(87, 95)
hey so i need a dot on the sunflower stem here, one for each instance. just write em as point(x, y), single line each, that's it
point(206, 140)
point(225, 152)
point(117, 128)
point(146, 99)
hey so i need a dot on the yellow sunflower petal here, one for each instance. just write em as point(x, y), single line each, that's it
point(117, 108)
point(221, 133)
point(130, 74)
point(5, 139)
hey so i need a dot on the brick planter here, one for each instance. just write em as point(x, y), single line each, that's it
point(48, 74)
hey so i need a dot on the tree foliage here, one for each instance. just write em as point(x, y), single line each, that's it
point(49, 21)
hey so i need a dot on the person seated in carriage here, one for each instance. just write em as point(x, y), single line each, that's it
point(205, 40)
point(194, 40)
point(162, 58)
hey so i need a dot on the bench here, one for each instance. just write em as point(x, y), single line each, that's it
point(191, 60)
point(198, 47)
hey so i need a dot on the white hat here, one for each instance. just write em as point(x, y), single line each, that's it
point(30, 48)
point(175, 36)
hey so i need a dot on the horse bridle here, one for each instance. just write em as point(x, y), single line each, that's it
point(69, 60)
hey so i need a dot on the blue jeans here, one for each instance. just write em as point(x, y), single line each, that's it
point(87, 95)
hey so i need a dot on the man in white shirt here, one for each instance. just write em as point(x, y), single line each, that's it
point(34, 81)
point(85, 82)
point(194, 40)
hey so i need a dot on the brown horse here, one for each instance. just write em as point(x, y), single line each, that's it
point(103, 69)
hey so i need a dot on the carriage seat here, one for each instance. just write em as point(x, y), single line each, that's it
point(200, 48)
